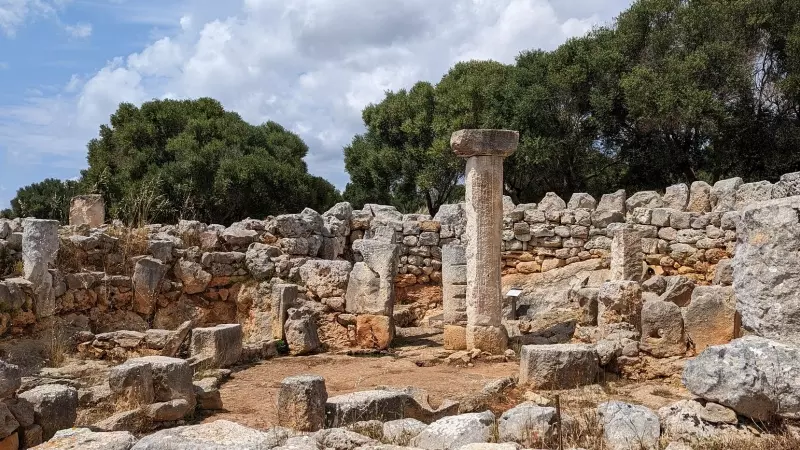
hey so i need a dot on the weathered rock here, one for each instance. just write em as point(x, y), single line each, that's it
point(457, 431)
point(8, 423)
point(691, 421)
point(551, 202)
point(558, 366)
point(86, 439)
point(87, 210)
point(55, 407)
point(301, 400)
point(626, 254)
point(217, 435)
point(723, 194)
point(148, 275)
point(749, 193)
point(629, 427)
point(195, 280)
point(676, 197)
point(172, 378)
point(710, 318)
point(258, 260)
point(614, 202)
point(531, 425)
point(301, 332)
point(22, 410)
point(10, 379)
point(656, 284)
point(581, 201)
point(662, 329)
point(167, 411)
point(699, 197)
point(39, 248)
point(207, 393)
point(679, 290)
point(766, 269)
point(31, 436)
point(326, 278)
point(380, 259)
point(219, 346)
point(374, 332)
point(402, 431)
point(133, 382)
point(342, 439)
point(643, 199)
point(619, 301)
point(754, 376)
point(788, 186)
point(380, 405)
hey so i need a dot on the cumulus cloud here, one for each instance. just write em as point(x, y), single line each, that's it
point(79, 30)
point(312, 65)
point(14, 13)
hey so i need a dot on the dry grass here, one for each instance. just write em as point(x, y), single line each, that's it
point(132, 242)
point(56, 346)
point(190, 239)
point(69, 258)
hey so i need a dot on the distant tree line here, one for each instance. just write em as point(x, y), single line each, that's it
point(672, 91)
point(169, 160)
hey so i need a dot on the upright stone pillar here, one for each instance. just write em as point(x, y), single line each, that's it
point(484, 151)
point(454, 296)
point(39, 250)
point(626, 254)
point(87, 210)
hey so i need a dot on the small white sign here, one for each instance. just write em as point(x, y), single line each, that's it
point(514, 292)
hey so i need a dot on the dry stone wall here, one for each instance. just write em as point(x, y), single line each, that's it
point(113, 278)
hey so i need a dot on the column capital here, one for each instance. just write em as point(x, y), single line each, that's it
point(469, 143)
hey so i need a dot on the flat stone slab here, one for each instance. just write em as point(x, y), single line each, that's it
point(558, 366)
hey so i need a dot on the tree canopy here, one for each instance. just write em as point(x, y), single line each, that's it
point(671, 91)
point(188, 159)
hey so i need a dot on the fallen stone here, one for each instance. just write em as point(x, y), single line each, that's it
point(207, 393)
point(629, 427)
point(221, 345)
point(558, 366)
point(754, 376)
point(374, 332)
point(302, 402)
point(168, 411)
point(619, 301)
point(402, 431)
point(55, 407)
point(132, 381)
point(217, 435)
point(172, 379)
point(455, 432)
point(690, 421)
point(531, 425)
point(383, 405)
point(342, 439)
point(86, 439)
point(10, 379)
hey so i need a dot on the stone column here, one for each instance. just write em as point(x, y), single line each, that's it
point(39, 249)
point(87, 210)
point(454, 296)
point(627, 257)
point(484, 151)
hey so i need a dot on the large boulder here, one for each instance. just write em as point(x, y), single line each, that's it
point(383, 405)
point(558, 366)
point(766, 269)
point(454, 432)
point(217, 435)
point(754, 376)
point(148, 274)
point(710, 318)
point(55, 407)
point(629, 427)
point(531, 425)
point(132, 382)
point(300, 332)
point(692, 421)
point(676, 197)
point(86, 439)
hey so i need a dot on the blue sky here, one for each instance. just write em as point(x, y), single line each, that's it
point(311, 65)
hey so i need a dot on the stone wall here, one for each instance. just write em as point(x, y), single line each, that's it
point(113, 278)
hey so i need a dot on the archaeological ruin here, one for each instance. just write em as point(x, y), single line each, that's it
point(648, 320)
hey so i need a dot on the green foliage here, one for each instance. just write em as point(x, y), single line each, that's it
point(672, 91)
point(48, 199)
point(169, 160)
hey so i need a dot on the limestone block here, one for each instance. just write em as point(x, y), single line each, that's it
point(374, 331)
point(301, 400)
point(723, 274)
point(455, 337)
point(470, 143)
point(86, 439)
point(214, 435)
point(207, 393)
point(456, 432)
point(629, 427)
point(581, 200)
point(676, 197)
point(619, 301)
point(326, 278)
point(282, 297)
point(172, 378)
point(699, 197)
point(55, 407)
point(383, 405)
point(723, 194)
point(626, 255)
point(710, 318)
point(788, 186)
point(643, 199)
point(148, 274)
point(757, 377)
point(551, 202)
point(132, 381)
point(219, 346)
point(87, 210)
point(529, 425)
point(10, 379)
point(39, 248)
point(301, 332)
point(749, 193)
point(662, 329)
point(558, 366)
point(766, 270)
point(194, 279)
point(402, 431)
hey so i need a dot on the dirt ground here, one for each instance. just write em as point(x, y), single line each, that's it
point(250, 395)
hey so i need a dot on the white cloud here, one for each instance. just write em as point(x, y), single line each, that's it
point(14, 13)
point(312, 65)
point(79, 30)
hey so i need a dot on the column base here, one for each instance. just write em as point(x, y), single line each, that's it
point(455, 337)
point(489, 339)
